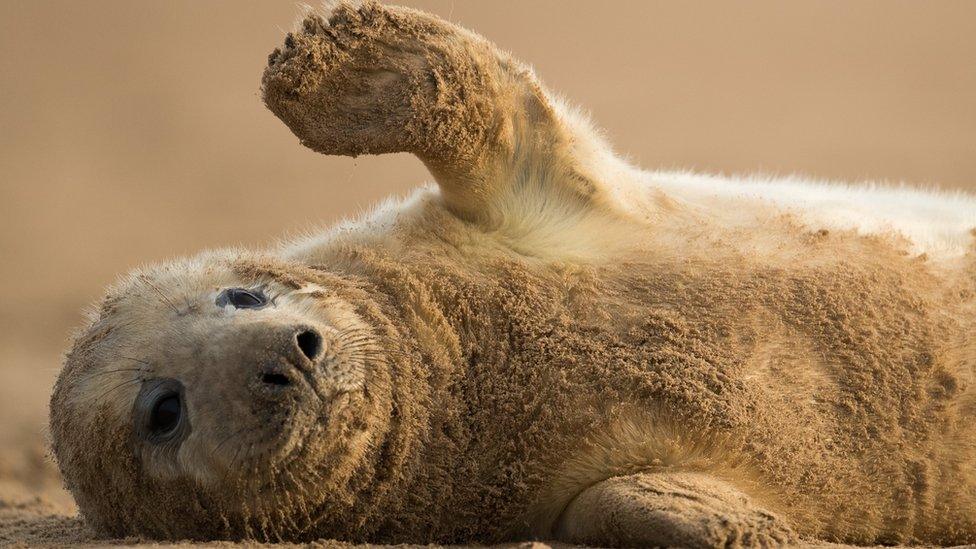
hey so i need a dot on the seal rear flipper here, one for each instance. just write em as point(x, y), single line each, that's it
point(672, 509)
point(383, 79)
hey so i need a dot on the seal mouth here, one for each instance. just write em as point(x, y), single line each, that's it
point(284, 412)
point(312, 380)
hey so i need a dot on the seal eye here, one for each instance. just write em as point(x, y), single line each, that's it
point(165, 415)
point(241, 298)
point(160, 415)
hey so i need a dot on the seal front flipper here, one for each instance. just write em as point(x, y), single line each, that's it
point(383, 79)
point(672, 509)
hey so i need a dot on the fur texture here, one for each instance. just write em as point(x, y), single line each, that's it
point(546, 334)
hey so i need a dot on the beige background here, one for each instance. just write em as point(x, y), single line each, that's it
point(133, 132)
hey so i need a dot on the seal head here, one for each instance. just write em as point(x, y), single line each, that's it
point(225, 396)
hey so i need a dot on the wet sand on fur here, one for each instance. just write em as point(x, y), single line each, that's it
point(134, 133)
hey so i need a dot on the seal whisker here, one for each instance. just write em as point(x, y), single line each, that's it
point(298, 486)
point(107, 372)
point(225, 440)
point(147, 363)
point(379, 353)
point(166, 299)
point(352, 342)
point(352, 332)
point(119, 386)
point(365, 341)
point(233, 462)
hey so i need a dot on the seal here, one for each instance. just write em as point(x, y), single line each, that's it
point(546, 344)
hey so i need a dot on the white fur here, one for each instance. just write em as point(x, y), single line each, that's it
point(936, 223)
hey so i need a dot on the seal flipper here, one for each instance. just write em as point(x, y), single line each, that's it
point(673, 509)
point(382, 79)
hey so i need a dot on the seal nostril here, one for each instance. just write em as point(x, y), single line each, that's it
point(276, 379)
point(310, 343)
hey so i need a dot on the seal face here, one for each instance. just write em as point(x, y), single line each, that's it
point(217, 388)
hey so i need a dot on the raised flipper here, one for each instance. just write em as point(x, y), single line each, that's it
point(381, 79)
point(669, 509)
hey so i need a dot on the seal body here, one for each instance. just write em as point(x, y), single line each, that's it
point(548, 344)
point(829, 378)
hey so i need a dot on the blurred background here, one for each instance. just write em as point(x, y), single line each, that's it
point(133, 132)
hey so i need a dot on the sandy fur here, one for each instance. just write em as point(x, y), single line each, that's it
point(549, 319)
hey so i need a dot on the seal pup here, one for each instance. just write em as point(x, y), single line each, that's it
point(548, 344)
